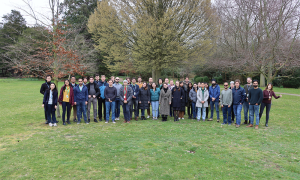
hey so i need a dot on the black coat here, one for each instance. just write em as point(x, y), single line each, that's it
point(96, 89)
point(44, 87)
point(184, 99)
point(144, 98)
point(177, 95)
point(46, 99)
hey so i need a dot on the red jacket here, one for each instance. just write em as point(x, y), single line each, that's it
point(61, 96)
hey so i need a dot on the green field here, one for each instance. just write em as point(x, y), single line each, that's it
point(149, 149)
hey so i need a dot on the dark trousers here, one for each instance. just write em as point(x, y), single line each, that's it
point(126, 111)
point(134, 108)
point(189, 109)
point(117, 104)
point(45, 114)
point(232, 114)
point(226, 114)
point(171, 110)
point(101, 102)
point(51, 112)
point(66, 108)
point(194, 111)
point(268, 108)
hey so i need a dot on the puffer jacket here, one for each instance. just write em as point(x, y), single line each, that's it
point(193, 95)
point(154, 96)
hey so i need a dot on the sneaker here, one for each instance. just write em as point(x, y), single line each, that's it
point(218, 120)
point(106, 121)
point(114, 121)
point(203, 119)
point(75, 120)
point(78, 122)
point(237, 126)
point(182, 118)
point(50, 124)
point(95, 120)
point(64, 123)
point(198, 120)
point(229, 124)
point(128, 121)
point(179, 118)
point(210, 119)
point(148, 117)
point(117, 119)
point(256, 127)
point(89, 120)
point(55, 124)
point(250, 125)
point(87, 123)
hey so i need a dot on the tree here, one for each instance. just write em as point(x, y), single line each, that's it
point(153, 35)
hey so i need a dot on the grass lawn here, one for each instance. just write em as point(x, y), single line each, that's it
point(150, 149)
point(286, 90)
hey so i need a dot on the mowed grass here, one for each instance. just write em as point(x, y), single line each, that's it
point(286, 90)
point(149, 149)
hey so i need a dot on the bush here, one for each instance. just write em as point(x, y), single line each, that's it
point(199, 79)
point(205, 79)
point(219, 79)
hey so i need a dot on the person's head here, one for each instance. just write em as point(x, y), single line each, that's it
point(167, 80)
point(232, 84)
point(97, 77)
point(213, 82)
point(48, 78)
point(117, 79)
point(153, 85)
point(67, 82)
point(112, 78)
point(190, 85)
point(171, 82)
point(145, 85)
point(150, 80)
point(187, 79)
point(180, 83)
point(85, 80)
point(110, 83)
point(133, 80)
point(139, 79)
point(80, 82)
point(73, 79)
point(177, 83)
point(91, 80)
point(165, 85)
point(128, 79)
point(160, 81)
point(237, 83)
point(206, 85)
point(52, 87)
point(199, 84)
point(195, 85)
point(225, 85)
point(202, 85)
point(269, 87)
point(125, 82)
point(249, 80)
point(255, 83)
point(102, 78)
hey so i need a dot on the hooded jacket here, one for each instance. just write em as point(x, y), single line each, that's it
point(238, 95)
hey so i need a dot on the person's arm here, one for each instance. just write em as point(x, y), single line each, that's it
point(97, 91)
point(105, 93)
point(86, 95)
point(221, 99)
point(122, 94)
point(230, 97)
point(265, 95)
point(260, 97)
point(137, 93)
point(75, 93)
point(130, 94)
point(44, 99)
point(209, 92)
point(148, 94)
point(205, 97)
point(42, 91)
point(273, 94)
point(243, 96)
point(218, 92)
point(159, 98)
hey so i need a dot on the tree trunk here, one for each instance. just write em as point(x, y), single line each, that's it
point(155, 75)
point(270, 76)
point(262, 80)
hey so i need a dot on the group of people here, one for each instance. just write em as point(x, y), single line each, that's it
point(166, 99)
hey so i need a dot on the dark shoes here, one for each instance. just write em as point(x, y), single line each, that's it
point(89, 120)
point(100, 119)
point(64, 123)
point(68, 121)
point(266, 125)
point(218, 120)
point(246, 122)
point(95, 120)
point(75, 120)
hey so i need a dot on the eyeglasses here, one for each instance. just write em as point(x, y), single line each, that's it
point(117, 79)
point(79, 81)
point(225, 85)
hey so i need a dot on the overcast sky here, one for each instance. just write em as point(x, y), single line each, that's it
point(40, 6)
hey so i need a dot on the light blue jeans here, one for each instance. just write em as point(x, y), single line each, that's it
point(199, 110)
point(254, 109)
point(237, 112)
point(154, 105)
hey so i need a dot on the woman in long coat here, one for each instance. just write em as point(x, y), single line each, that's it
point(183, 100)
point(144, 99)
point(177, 95)
point(165, 99)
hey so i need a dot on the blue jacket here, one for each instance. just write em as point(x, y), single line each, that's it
point(135, 90)
point(80, 96)
point(239, 95)
point(214, 93)
point(102, 86)
point(154, 96)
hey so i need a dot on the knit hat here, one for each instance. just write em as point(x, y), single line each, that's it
point(125, 81)
point(231, 82)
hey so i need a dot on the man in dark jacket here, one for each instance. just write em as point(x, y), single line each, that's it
point(81, 100)
point(135, 100)
point(238, 94)
point(247, 88)
point(101, 100)
point(110, 93)
point(43, 89)
point(94, 93)
point(255, 98)
point(126, 94)
point(73, 84)
point(214, 95)
point(149, 87)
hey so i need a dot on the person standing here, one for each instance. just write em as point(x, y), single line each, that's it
point(177, 96)
point(207, 108)
point(118, 86)
point(85, 81)
point(255, 98)
point(50, 104)
point(167, 81)
point(165, 99)
point(135, 100)
point(140, 83)
point(226, 101)
point(193, 98)
point(43, 89)
point(113, 79)
point(266, 102)
point(189, 101)
point(81, 97)
point(126, 94)
point(73, 85)
point(171, 86)
point(202, 101)
point(186, 82)
point(183, 100)
point(231, 107)
point(94, 93)
point(239, 95)
point(247, 88)
point(101, 101)
point(110, 94)
point(154, 98)
point(160, 83)
point(66, 99)
point(128, 80)
point(149, 87)
point(144, 99)
point(214, 94)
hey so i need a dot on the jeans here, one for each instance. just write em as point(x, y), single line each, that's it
point(50, 112)
point(66, 107)
point(226, 114)
point(90, 102)
point(203, 110)
point(254, 109)
point(110, 106)
point(216, 104)
point(101, 102)
point(237, 112)
point(268, 108)
point(246, 108)
point(154, 105)
point(143, 112)
point(194, 110)
point(117, 104)
point(135, 103)
point(126, 111)
point(81, 109)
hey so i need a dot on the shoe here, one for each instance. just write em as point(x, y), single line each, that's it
point(46, 122)
point(218, 120)
point(237, 126)
point(182, 118)
point(256, 127)
point(148, 117)
point(266, 124)
point(87, 123)
point(198, 120)
point(117, 119)
point(95, 120)
point(106, 121)
point(136, 118)
point(50, 124)
point(246, 122)
point(89, 120)
point(178, 118)
point(114, 122)
point(210, 119)
point(128, 121)
point(100, 119)
point(68, 121)
point(203, 119)
point(75, 120)
point(55, 124)
point(78, 122)
point(229, 124)
point(64, 123)
point(223, 123)
point(189, 117)
point(125, 121)
point(250, 125)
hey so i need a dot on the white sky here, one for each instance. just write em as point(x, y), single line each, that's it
point(39, 6)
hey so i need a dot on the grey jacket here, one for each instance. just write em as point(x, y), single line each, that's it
point(193, 95)
point(128, 96)
point(201, 98)
point(118, 87)
point(226, 97)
